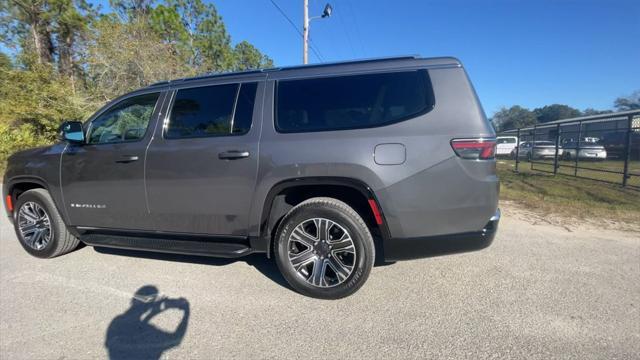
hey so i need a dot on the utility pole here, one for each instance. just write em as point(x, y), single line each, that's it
point(305, 28)
point(305, 31)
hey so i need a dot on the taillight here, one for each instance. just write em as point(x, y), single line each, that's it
point(474, 149)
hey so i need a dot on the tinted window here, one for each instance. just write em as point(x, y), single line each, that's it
point(209, 111)
point(202, 111)
point(350, 102)
point(244, 108)
point(126, 121)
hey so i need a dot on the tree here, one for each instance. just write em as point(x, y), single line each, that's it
point(555, 112)
point(591, 111)
point(197, 33)
point(129, 10)
point(125, 56)
point(5, 61)
point(67, 59)
point(247, 57)
point(32, 105)
point(631, 102)
point(72, 19)
point(27, 24)
point(513, 118)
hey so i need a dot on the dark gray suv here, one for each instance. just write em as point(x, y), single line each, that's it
point(327, 168)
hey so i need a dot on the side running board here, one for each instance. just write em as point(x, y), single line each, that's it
point(187, 247)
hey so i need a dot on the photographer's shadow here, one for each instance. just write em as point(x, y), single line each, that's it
point(132, 336)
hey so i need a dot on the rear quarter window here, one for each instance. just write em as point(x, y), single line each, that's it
point(352, 102)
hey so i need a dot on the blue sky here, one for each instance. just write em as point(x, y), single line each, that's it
point(583, 53)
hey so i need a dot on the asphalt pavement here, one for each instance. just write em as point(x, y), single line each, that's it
point(539, 292)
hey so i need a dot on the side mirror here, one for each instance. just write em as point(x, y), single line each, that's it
point(72, 131)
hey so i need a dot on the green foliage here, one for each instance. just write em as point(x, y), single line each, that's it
point(5, 61)
point(591, 111)
point(39, 98)
point(555, 112)
point(631, 102)
point(248, 57)
point(513, 118)
point(126, 56)
point(517, 116)
point(33, 104)
point(68, 59)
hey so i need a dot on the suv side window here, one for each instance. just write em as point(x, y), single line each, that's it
point(126, 121)
point(218, 110)
point(352, 102)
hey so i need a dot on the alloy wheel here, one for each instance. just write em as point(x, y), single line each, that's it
point(322, 252)
point(34, 225)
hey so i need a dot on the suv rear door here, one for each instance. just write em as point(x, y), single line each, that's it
point(202, 163)
point(103, 179)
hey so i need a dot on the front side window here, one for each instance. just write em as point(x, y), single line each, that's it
point(124, 122)
point(212, 111)
point(351, 102)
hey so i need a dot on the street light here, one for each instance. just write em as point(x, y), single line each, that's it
point(327, 11)
point(305, 46)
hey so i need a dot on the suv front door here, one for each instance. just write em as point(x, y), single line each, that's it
point(103, 179)
point(202, 164)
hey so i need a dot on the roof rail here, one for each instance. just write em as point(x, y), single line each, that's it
point(349, 62)
point(307, 66)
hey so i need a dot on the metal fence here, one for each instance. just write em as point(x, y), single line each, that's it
point(602, 147)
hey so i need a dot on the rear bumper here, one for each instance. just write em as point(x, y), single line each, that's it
point(422, 247)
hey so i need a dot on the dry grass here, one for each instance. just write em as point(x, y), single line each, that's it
point(568, 196)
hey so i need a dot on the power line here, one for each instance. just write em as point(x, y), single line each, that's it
point(344, 28)
point(357, 32)
point(312, 45)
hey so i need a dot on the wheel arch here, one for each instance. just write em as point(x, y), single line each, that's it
point(21, 184)
point(18, 185)
point(286, 194)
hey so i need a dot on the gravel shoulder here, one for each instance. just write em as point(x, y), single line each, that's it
point(542, 290)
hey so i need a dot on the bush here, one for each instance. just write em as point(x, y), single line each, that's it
point(33, 104)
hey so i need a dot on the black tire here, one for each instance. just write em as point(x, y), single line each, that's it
point(567, 156)
point(61, 240)
point(348, 220)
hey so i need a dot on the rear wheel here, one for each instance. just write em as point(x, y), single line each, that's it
point(324, 249)
point(39, 227)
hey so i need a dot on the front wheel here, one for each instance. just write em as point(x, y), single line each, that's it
point(324, 249)
point(39, 228)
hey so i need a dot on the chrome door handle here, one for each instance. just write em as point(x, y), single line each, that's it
point(127, 159)
point(233, 155)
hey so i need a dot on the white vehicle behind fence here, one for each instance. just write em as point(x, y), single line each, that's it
point(505, 144)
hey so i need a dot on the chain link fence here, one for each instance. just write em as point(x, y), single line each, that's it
point(602, 147)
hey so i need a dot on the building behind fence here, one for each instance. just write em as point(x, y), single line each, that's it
point(601, 147)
